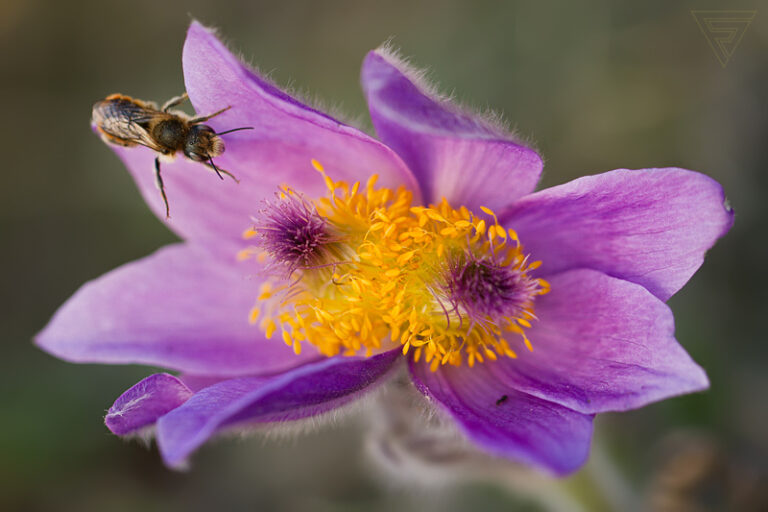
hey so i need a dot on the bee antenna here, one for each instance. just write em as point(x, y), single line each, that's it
point(235, 130)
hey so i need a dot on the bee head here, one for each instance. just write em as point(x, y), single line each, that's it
point(202, 143)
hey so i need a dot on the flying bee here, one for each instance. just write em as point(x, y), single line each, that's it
point(129, 122)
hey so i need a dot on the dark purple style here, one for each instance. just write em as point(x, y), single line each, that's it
point(614, 247)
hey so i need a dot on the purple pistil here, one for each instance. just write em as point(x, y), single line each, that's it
point(292, 232)
point(482, 288)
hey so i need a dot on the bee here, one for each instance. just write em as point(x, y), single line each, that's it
point(129, 122)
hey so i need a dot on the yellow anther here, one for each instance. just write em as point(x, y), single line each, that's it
point(394, 272)
point(317, 165)
point(449, 231)
point(270, 329)
point(244, 254)
point(435, 216)
point(405, 257)
point(377, 226)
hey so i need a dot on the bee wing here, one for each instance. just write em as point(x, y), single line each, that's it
point(126, 123)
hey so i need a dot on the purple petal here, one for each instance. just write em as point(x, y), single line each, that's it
point(601, 344)
point(300, 393)
point(453, 154)
point(200, 382)
point(650, 226)
point(286, 137)
point(507, 422)
point(145, 402)
point(178, 309)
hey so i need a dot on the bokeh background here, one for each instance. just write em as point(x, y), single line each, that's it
point(596, 85)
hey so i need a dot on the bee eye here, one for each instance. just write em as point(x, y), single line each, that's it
point(202, 130)
point(202, 143)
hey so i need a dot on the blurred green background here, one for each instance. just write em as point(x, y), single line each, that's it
point(597, 86)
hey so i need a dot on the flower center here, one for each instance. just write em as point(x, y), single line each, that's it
point(362, 271)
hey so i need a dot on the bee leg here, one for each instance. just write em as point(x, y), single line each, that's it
point(174, 101)
point(161, 188)
point(202, 119)
point(219, 171)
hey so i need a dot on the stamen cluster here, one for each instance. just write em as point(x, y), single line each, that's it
point(371, 272)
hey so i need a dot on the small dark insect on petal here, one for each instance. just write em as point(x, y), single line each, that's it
point(502, 399)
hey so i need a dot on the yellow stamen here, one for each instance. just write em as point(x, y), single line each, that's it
point(384, 289)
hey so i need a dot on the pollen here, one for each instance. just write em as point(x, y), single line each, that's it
point(362, 271)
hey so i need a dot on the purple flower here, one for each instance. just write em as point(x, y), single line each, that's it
point(578, 273)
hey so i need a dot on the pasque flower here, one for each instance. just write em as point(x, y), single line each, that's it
point(519, 314)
